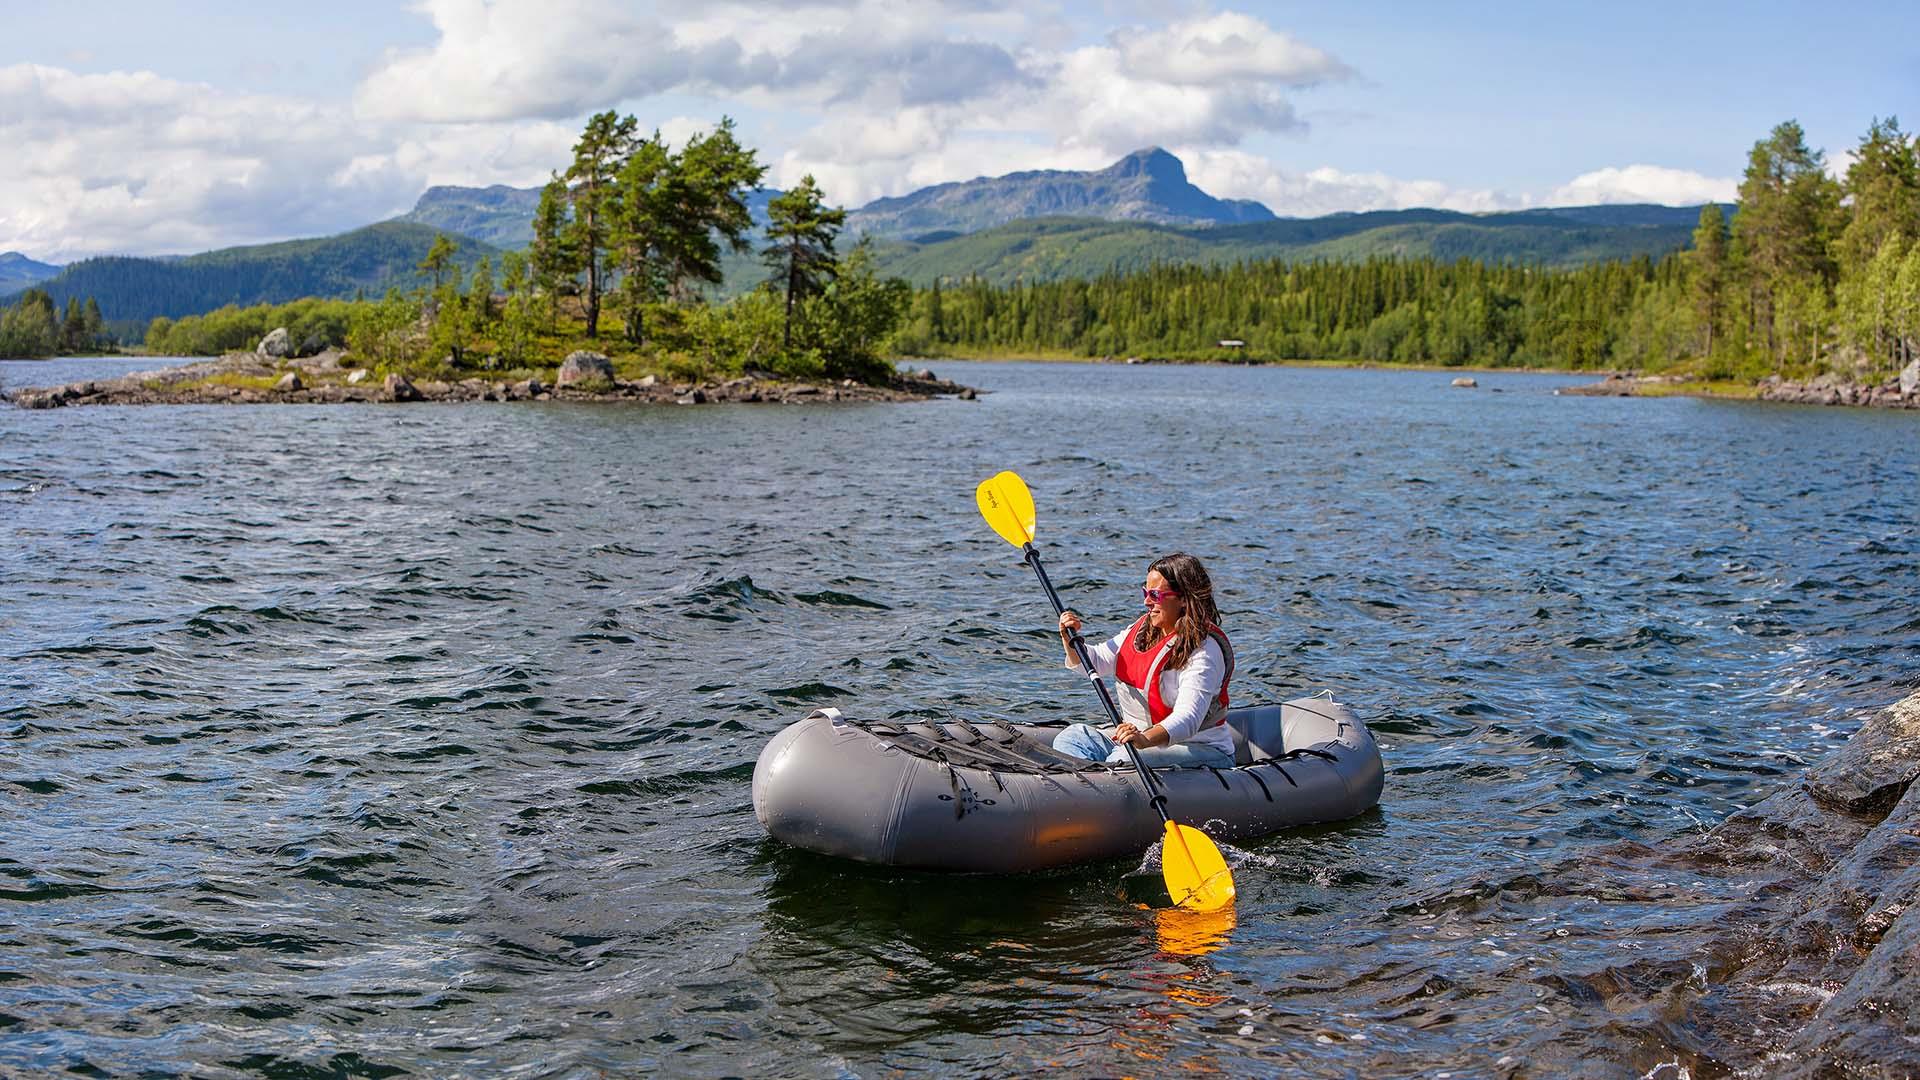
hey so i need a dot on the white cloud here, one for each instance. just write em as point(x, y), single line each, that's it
point(1644, 184)
point(896, 84)
point(139, 164)
point(510, 59)
point(1227, 47)
point(1240, 175)
point(873, 97)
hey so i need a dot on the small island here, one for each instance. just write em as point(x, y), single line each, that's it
point(258, 378)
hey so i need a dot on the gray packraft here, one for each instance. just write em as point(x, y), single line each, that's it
point(996, 797)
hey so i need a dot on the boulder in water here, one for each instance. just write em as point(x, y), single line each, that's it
point(1466, 382)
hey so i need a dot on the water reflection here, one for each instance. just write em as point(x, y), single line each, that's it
point(1193, 933)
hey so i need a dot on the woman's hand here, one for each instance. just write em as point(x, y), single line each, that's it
point(1069, 625)
point(1141, 740)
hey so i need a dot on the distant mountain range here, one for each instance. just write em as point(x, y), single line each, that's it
point(18, 272)
point(1026, 226)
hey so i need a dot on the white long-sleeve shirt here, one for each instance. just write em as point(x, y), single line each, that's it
point(1189, 690)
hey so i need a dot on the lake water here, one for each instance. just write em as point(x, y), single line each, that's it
point(368, 739)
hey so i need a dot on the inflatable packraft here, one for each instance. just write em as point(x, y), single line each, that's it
point(997, 798)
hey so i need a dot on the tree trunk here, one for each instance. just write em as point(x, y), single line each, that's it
point(793, 272)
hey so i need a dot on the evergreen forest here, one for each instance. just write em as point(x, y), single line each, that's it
point(35, 327)
point(1811, 274)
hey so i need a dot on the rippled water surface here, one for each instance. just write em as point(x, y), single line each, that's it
point(372, 740)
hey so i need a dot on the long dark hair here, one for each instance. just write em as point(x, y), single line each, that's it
point(1184, 574)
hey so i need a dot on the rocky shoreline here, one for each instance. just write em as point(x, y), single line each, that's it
point(1814, 970)
point(1900, 392)
point(256, 378)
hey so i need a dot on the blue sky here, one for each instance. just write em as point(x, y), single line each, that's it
point(172, 127)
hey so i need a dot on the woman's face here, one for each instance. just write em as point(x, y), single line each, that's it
point(1163, 607)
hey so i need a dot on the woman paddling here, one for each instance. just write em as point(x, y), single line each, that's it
point(1170, 671)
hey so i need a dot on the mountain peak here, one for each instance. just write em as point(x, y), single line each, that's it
point(1153, 163)
point(17, 271)
point(1147, 185)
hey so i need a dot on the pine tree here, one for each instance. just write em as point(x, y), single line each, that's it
point(597, 159)
point(707, 210)
point(480, 290)
point(1788, 208)
point(73, 329)
point(1709, 264)
point(439, 260)
point(552, 262)
point(802, 230)
point(1883, 194)
point(95, 324)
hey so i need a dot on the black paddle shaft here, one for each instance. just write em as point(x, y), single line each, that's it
point(1159, 797)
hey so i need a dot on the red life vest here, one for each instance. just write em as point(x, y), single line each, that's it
point(1141, 670)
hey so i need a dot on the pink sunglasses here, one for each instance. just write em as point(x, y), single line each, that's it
point(1157, 596)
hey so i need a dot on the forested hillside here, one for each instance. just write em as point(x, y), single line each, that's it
point(367, 261)
point(1813, 274)
point(1052, 249)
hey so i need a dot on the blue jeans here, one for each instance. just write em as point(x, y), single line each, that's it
point(1087, 741)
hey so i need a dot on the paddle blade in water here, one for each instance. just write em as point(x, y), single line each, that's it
point(1008, 506)
point(1196, 872)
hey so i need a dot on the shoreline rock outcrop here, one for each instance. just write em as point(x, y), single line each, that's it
point(1810, 965)
point(252, 378)
point(1901, 392)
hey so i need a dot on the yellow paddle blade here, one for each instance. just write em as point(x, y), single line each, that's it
point(1008, 506)
point(1196, 873)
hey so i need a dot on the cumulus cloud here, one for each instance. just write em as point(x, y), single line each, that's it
point(139, 164)
point(1227, 47)
point(1240, 175)
point(1208, 81)
point(895, 83)
point(1645, 184)
point(872, 97)
point(509, 59)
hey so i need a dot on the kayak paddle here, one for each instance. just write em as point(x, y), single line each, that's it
point(1197, 876)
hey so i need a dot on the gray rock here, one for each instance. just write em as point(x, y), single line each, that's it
point(397, 388)
point(357, 376)
point(648, 382)
point(1876, 766)
point(585, 367)
point(278, 344)
point(1466, 382)
point(1910, 379)
point(696, 397)
point(290, 382)
point(1871, 1027)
